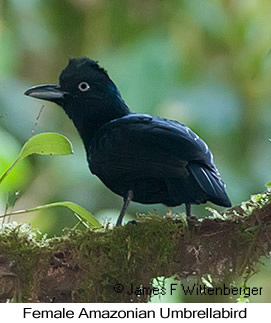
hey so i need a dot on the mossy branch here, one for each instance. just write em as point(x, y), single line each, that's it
point(84, 266)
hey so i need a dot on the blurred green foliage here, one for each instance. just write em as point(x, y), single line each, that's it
point(204, 63)
point(47, 144)
point(41, 144)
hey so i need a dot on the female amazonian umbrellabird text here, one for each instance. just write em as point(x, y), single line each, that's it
point(140, 157)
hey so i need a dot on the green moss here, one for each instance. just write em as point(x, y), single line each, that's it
point(26, 250)
point(134, 254)
point(84, 266)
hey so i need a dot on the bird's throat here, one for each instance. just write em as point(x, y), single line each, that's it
point(88, 123)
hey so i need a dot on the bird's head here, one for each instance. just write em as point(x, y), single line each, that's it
point(85, 91)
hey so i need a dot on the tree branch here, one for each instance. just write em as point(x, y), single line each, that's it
point(84, 266)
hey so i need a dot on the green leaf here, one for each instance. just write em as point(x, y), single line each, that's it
point(47, 143)
point(83, 214)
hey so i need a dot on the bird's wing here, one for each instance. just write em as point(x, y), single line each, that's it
point(145, 133)
point(145, 142)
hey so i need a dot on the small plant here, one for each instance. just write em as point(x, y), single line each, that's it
point(50, 144)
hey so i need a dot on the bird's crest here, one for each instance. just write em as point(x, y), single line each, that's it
point(82, 65)
point(85, 62)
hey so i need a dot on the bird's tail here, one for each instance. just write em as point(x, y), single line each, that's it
point(211, 183)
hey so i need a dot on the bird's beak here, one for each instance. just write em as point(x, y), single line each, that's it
point(48, 92)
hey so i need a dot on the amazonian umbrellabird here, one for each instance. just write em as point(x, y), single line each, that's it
point(143, 158)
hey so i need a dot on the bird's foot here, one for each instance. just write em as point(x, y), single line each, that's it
point(132, 222)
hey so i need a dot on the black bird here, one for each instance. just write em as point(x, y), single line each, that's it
point(140, 157)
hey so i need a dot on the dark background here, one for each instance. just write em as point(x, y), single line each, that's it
point(204, 63)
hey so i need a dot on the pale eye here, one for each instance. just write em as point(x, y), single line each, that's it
point(83, 86)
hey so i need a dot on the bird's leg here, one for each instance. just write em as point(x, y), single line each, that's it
point(188, 209)
point(127, 200)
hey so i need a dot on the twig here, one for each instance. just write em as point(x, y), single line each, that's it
point(37, 120)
